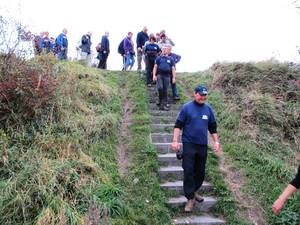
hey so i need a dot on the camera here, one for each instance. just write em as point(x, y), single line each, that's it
point(179, 155)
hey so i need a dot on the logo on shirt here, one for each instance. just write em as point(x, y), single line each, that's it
point(204, 117)
point(168, 61)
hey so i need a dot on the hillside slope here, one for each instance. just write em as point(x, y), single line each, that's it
point(75, 145)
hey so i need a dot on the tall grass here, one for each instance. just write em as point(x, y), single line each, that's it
point(51, 172)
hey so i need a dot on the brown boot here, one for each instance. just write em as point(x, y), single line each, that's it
point(198, 198)
point(189, 205)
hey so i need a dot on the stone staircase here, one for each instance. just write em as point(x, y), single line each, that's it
point(171, 171)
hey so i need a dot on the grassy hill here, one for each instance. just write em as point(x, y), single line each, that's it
point(75, 145)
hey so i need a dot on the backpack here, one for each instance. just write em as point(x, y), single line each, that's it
point(121, 48)
point(98, 47)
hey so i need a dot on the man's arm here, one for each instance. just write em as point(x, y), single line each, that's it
point(154, 72)
point(138, 44)
point(171, 42)
point(59, 41)
point(177, 58)
point(174, 75)
point(103, 44)
point(217, 143)
point(84, 39)
point(175, 144)
point(279, 203)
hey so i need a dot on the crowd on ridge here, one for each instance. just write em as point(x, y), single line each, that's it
point(152, 50)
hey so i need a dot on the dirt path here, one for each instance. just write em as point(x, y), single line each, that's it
point(248, 208)
point(122, 155)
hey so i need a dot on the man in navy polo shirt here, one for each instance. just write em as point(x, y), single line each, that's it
point(196, 118)
point(163, 70)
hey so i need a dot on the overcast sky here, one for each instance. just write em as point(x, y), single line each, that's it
point(203, 31)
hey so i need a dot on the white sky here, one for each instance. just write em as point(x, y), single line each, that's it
point(204, 31)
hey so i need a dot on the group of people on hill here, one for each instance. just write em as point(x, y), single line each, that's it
point(155, 52)
point(44, 44)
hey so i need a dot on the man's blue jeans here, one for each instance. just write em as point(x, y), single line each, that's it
point(62, 54)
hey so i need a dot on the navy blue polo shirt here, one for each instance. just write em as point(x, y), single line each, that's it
point(196, 118)
point(164, 64)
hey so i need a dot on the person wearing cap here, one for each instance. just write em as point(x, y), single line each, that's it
point(196, 118)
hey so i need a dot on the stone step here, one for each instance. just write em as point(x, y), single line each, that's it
point(171, 100)
point(177, 186)
point(163, 138)
point(166, 128)
point(172, 113)
point(198, 220)
point(171, 173)
point(163, 119)
point(168, 159)
point(179, 203)
point(151, 91)
point(164, 147)
point(153, 106)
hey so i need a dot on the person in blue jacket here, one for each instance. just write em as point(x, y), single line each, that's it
point(53, 46)
point(46, 43)
point(86, 47)
point(104, 51)
point(195, 119)
point(141, 38)
point(62, 45)
point(163, 70)
point(152, 51)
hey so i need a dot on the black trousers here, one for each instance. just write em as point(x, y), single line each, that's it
point(102, 63)
point(150, 65)
point(193, 164)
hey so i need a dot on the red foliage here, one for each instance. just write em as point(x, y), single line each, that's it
point(27, 89)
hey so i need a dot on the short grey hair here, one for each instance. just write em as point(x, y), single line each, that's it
point(167, 46)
